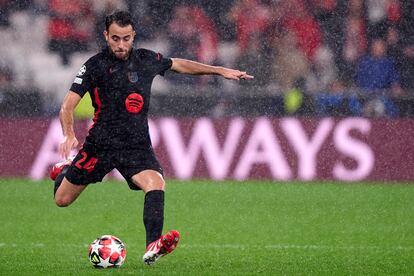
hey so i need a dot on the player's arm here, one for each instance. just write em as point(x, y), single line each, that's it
point(69, 104)
point(186, 66)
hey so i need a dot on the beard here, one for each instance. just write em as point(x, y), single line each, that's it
point(124, 55)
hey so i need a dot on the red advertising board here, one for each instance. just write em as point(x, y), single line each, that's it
point(343, 149)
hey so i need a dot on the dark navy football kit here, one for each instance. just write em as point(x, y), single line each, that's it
point(119, 137)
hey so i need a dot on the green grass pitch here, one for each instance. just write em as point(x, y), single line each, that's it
point(227, 228)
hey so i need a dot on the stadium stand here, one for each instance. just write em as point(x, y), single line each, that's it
point(325, 82)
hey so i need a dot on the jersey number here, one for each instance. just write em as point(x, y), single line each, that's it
point(84, 164)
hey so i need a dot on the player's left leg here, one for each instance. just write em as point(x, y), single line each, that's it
point(161, 247)
point(149, 180)
point(153, 184)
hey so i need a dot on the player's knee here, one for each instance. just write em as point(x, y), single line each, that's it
point(154, 185)
point(149, 180)
point(63, 201)
point(159, 184)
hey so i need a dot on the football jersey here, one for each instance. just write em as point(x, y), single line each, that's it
point(120, 91)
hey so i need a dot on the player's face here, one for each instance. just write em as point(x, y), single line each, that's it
point(120, 40)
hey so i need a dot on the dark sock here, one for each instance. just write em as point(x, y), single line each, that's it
point(59, 179)
point(154, 214)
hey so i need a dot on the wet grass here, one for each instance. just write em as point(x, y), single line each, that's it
point(227, 228)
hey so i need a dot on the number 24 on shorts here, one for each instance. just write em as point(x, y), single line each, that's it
point(84, 164)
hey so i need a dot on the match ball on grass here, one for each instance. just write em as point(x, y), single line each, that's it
point(107, 251)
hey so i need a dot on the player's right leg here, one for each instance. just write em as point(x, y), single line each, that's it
point(64, 191)
point(72, 177)
point(67, 193)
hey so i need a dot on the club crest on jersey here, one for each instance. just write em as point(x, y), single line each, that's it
point(82, 71)
point(133, 77)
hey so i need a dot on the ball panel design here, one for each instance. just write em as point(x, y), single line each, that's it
point(107, 251)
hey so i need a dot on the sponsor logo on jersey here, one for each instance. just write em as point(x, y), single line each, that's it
point(134, 103)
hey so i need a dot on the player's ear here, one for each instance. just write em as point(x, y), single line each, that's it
point(105, 33)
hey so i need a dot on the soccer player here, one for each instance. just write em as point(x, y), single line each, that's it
point(119, 81)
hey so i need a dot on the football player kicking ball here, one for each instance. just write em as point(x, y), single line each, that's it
point(119, 80)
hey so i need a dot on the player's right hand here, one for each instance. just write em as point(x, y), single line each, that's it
point(68, 143)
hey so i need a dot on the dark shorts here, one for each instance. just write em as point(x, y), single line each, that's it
point(91, 165)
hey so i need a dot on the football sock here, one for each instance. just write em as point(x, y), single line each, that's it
point(153, 214)
point(59, 179)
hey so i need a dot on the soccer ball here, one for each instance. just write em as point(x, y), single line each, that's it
point(107, 251)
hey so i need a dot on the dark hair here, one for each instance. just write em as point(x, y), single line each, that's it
point(122, 18)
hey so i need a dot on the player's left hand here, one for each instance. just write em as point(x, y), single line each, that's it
point(232, 74)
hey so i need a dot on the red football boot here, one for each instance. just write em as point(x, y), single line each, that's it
point(57, 168)
point(161, 247)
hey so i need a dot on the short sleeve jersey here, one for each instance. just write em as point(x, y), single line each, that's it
point(120, 91)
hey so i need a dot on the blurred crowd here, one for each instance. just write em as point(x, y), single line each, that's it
point(353, 57)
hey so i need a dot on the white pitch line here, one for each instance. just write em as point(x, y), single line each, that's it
point(241, 246)
point(31, 245)
point(305, 247)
